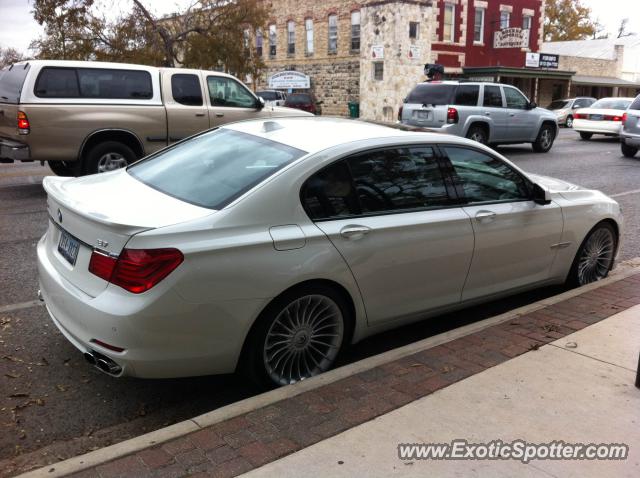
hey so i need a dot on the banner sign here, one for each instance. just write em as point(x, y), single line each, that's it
point(284, 80)
point(511, 38)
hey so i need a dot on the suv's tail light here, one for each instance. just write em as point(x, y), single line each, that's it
point(136, 270)
point(23, 123)
point(452, 115)
point(400, 113)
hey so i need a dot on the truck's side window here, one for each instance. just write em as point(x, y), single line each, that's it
point(228, 92)
point(185, 89)
point(57, 83)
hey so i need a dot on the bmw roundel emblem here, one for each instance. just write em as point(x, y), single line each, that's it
point(59, 216)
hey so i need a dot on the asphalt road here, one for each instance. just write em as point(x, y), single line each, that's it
point(53, 405)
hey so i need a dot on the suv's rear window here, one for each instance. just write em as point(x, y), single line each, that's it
point(298, 99)
point(432, 94)
point(11, 80)
point(634, 106)
point(214, 168)
point(558, 105)
point(268, 95)
point(98, 83)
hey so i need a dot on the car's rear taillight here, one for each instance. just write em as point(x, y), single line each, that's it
point(612, 118)
point(400, 113)
point(136, 270)
point(579, 116)
point(23, 123)
point(452, 115)
point(624, 118)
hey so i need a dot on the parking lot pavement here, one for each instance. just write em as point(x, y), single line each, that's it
point(55, 404)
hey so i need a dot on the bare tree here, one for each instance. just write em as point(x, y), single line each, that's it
point(8, 56)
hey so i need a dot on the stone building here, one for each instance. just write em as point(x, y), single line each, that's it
point(373, 51)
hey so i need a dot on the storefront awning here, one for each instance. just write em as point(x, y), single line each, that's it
point(603, 81)
point(506, 71)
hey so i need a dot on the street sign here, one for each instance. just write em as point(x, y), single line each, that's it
point(532, 60)
point(284, 80)
point(548, 60)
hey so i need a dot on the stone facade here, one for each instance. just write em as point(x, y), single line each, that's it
point(594, 66)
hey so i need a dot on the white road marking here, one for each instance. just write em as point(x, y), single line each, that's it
point(625, 193)
point(19, 306)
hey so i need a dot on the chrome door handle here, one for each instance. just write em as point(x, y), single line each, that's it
point(485, 216)
point(354, 232)
point(199, 114)
point(219, 115)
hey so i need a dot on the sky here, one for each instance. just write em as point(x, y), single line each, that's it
point(18, 29)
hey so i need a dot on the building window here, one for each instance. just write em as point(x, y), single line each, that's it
point(308, 27)
point(414, 28)
point(504, 20)
point(526, 22)
point(478, 26)
point(355, 31)
point(291, 37)
point(333, 33)
point(245, 38)
point(378, 70)
point(259, 42)
point(449, 22)
point(272, 40)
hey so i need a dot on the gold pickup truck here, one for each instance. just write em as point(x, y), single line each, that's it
point(85, 117)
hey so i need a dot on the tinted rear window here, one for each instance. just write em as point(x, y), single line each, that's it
point(186, 90)
point(214, 168)
point(268, 95)
point(611, 103)
point(98, 83)
point(11, 81)
point(432, 94)
point(299, 100)
point(634, 106)
point(467, 95)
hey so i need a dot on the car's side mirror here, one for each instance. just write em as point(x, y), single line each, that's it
point(575, 107)
point(541, 195)
point(531, 105)
point(260, 103)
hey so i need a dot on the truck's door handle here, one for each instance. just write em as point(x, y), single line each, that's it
point(485, 215)
point(354, 231)
point(219, 115)
point(199, 114)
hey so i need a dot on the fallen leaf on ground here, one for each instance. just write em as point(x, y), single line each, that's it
point(571, 345)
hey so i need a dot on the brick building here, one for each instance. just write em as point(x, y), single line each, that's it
point(374, 51)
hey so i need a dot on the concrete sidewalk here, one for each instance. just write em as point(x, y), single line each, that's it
point(507, 377)
point(579, 395)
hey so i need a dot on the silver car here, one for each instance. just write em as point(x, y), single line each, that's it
point(565, 109)
point(489, 113)
point(630, 133)
point(268, 246)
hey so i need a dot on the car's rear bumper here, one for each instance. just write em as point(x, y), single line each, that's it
point(630, 139)
point(14, 150)
point(597, 127)
point(162, 335)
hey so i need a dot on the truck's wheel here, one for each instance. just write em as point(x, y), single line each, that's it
point(63, 168)
point(108, 156)
point(478, 133)
point(545, 138)
point(628, 151)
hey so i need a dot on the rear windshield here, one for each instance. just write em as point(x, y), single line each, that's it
point(11, 80)
point(298, 100)
point(268, 95)
point(634, 106)
point(612, 104)
point(214, 168)
point(54, 82)
point(558, 105)
point(432, 94)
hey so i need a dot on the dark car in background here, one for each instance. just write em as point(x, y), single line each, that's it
point(630, 133)
point(304, 101)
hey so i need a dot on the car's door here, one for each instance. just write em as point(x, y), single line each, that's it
point(230, 101)
point(522, 121)
point(391, 215)
point(515, 238)
point(184, 101)
point(493, 109)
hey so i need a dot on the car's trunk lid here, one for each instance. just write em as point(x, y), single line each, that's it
point(103, 212)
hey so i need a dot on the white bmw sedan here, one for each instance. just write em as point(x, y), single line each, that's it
point(605, 116)
point(269, 246)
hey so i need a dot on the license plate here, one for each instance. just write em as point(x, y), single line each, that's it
point(68, 247)
point(421, 115)
point(596, 117)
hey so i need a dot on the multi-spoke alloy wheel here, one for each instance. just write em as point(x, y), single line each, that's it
point(110, 162)
point(304, 339)
point(596, 256)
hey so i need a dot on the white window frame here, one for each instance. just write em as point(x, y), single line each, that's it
point(308, 28)
point(449, 36)
point(355, 22)
point(329, 36)
point(417, 24)
point(291, 37)
point(273, 40)
point(505, 19)
point(373, 70)
point(259, 42)
point(528, 19)
point(481, 39)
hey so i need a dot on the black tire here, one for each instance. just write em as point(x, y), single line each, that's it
point(478, 133)
point(252, 364)
point(628, 151)
point(569, 122)
point(544, 140)
point(586, 136)
point(574, 279)
point(63, 168)
point(94, 161)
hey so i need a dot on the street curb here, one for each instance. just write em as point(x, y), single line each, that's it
point(109, 453)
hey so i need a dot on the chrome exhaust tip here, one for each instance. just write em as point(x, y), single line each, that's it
point(89, 358)
point(40, 298)
point(102, 363)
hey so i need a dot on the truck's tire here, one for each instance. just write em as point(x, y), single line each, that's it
point(107, 156)
point(478, 133)
point(545, 138)
point(628, 151)
point(63, 168)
